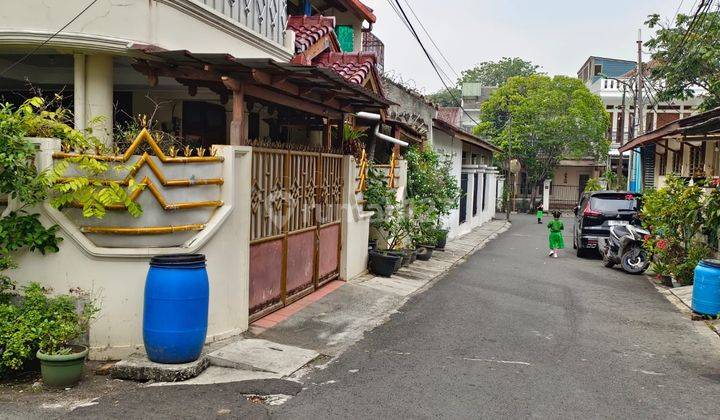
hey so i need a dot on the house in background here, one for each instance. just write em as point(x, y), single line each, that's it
point(687, 147)
point(614, 80)
point(472, 159)
point(473, 96)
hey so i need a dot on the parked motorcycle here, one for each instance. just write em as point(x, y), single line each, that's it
point(625, 247)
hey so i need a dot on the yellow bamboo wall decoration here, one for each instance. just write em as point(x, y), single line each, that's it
point(145, 137)
point(362, 171)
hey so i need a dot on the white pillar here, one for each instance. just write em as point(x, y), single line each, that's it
point(499, 191)
point(79, 91)
point(99, 95)
point(546, 194)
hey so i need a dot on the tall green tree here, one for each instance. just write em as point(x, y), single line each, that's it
point(541, 120)
point(686, 54)
point(495, 73)
point(488, 73)
point(445, 98)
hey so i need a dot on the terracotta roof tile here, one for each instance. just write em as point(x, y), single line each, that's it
point(309, 29)
point(354, 67)
point(361, 9)
point(451, 115)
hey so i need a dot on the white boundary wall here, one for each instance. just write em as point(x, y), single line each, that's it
point(118, 281)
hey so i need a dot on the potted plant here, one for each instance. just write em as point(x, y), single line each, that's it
point(385, 223)
point(62, 326)
point(442, 235)
point(430, 180)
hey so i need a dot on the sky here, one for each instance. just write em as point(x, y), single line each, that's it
point(558, 35)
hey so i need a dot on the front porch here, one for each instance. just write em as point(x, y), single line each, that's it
point(242, 159)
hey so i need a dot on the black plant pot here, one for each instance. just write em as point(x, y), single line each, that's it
point(425, 252)
point(667, 281)
point(384, 265)
point(405, 254)
point(413, 255)
point(372, 244)
point(442, 239)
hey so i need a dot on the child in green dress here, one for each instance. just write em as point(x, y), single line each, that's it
point(540, 214)
point(556, 239)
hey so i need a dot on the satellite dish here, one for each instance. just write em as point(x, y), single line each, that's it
point(514, 166)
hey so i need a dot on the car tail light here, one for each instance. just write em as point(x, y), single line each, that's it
point(590, 212)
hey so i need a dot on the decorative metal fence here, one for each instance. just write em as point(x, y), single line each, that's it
point(563, 197)
point(296, 204)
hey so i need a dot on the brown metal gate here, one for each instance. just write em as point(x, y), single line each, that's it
point(296, 201)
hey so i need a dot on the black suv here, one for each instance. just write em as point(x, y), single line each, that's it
point(599, 210)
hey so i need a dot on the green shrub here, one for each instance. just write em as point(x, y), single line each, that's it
point(677, 216)
point(430, 178)
point(35, 321)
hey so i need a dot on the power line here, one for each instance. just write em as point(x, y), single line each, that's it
point(47, 40)
point(432, 62)
point(409, 28)
point(431, 39)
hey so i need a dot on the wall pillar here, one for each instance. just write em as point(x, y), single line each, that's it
point(546, 194)
point(99, 96)
point(499, 191)
point(79, 91)
point(355, 226)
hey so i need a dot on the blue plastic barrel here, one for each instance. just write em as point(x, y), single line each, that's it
point(706, 288)
point(175, 316)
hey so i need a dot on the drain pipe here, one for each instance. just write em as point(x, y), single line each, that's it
point(377, 134)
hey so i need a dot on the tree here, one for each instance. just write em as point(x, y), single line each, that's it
point(685, 58)
point(496, 73)
point(488, 73)
point(541, 120)
point(445, 98)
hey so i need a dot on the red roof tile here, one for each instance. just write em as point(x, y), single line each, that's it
point(310, 29)
point(354, 67)
point(359, 8)
point(451, 115)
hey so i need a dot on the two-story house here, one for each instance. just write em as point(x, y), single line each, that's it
point(282, 76)
point(614, 80)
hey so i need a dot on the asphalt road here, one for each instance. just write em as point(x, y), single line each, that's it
point(512, 333)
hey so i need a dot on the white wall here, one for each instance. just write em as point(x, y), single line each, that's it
point(114, 26)
point(444, 143)
point(355, 226)
point(118, 282)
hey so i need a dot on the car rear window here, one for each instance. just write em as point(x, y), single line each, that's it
point(613, 203)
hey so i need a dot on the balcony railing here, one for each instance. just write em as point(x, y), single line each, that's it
point(371, 43)
point(266, 17)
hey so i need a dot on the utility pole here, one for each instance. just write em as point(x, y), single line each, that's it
point(511, 183)
point(621, 134)
point(639, 105)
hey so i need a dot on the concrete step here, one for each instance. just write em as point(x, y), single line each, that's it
point(261, 355)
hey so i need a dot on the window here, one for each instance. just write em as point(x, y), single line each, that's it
point(597, 69)
point(677, 162)
point(662, 163)
point(697, 160)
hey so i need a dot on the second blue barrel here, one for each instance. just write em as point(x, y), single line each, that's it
point(706, 288)
point(175, 315)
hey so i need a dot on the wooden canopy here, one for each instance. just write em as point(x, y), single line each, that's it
point(315, 90)
point(696, 128)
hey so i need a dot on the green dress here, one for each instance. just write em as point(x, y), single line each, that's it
point(556, 239)
point(540, 214)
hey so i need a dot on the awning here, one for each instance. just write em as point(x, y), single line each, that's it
point(700, 127)
point(403, 129)
point(464, 135)
point(264, 78)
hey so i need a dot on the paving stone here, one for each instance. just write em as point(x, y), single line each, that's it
point(262, 355)
point(220, 375)
point(138, 367)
